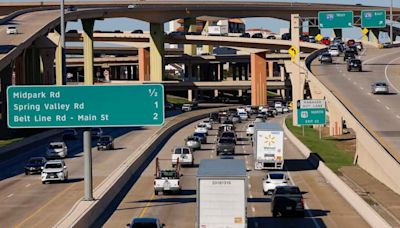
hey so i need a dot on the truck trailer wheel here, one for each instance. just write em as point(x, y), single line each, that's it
point(155, 192)
point(274, 214)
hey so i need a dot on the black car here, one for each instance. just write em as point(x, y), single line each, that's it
point(257, 35)
point(304, 38)
point(246, 34)
point(325, 58)
point(137, 31)
point(287, 200)
point(106, 142)
point(201, 136)
point(354, 64)
point(349, 54)
point(354, 48)
point(71, 8)
point(271, 37)
point(225, 145)
point(213, 117)
point(35, 165)
point(169, 106)
point(286, 36)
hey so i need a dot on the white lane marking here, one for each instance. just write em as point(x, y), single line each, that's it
point(378, 100)
point(211, 156)
point(340, 71)
point(397, 116)
point(355, 83)
point(361, 88)
point(253, 209)
point(386, 75)
point(379, 56)
point(370, 94)
point(251, 196)
point(387, 107)
point(10, 195)
point(249, 185)
point(28, 185)
point(247, 162)
point(349, 79)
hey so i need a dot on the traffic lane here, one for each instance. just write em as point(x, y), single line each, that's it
point(366, 105)
point(47, 198)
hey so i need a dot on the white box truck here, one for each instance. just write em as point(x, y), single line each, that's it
point(221, 194)
point(268, 146)
point(218, 30)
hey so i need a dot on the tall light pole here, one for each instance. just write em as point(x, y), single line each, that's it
point(391, 21)
point(62, 41)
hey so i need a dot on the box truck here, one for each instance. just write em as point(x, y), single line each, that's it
point(221, 194)
point(268, 146)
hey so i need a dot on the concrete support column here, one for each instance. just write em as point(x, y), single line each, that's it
point(240, 93)
point(207, 49)
point(335, 122)
point(258, 79)
point(283, 93)
point(297, 79)
point(374, 35)
point(338, 32)
point(157, 52)
point(88, 58)
point(215, 72)
point(216, 93)
point(234, 72)
point(190, 95)
point(282, 73)
point(144, 64)
point(246, 71)
point(190, 26)
point(19, 70)
point(5, 81)
point(270, 69)
point(32, 66)
point(59, 58)
point(221, 72)
point(47, 52)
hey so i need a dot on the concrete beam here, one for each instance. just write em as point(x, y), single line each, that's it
point(144, 64)
point(156, 52)
point(190, 26)
point(88, 50)
point(297, 79)
point(258, 79)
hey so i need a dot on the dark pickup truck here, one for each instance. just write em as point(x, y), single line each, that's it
point(225, 146)
point(287, 200)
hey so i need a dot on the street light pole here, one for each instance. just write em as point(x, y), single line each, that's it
point(62, 41)
point(391, 21)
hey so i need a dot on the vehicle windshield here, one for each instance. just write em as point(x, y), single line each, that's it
point(292, 190)
point(356, 61)
point(251, 125)
point(12, 27)
point(186, 105)
point(105, 139)
point(144, 225)
point(276, 176)
point(191, 139)
point(53, 166)
point(228, 134)
point(35, 161)
point(201, 125)
point(168, 173)
point(55, 146)
point(380, 84)
point(186, 151)
point(326, 55)
point(199, 134)
point(226, 140)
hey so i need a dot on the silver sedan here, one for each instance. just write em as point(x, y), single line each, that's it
point(379, 87)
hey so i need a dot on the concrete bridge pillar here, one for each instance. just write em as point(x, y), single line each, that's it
point(33, 66)
point(157, 52)
point(335, 121)
point(297, 79)
point(144, 64)
point(5, 81)
point(270, 69)
point(60, 59)
point(216, 93)
point(88, 67)
point(374, 35)
point(338, 32)
point(47, 51)
point(246, 71)
point(207, 49)
point(220, 72)
point(282, 72)
point(258, 79)
point(190, 26)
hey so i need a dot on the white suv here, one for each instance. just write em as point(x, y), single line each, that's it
point(184, 154)
point(54, 170)
point(11, 30)
point(57, 150)
point(272, 180)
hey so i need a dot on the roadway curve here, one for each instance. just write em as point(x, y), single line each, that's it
point(326, 208)
point(381, 113)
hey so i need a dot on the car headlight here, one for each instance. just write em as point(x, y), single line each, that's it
point(60, 173)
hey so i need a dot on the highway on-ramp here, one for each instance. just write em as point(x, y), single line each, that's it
point(325, 207)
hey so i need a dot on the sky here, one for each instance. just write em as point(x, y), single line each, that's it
point(264, 23)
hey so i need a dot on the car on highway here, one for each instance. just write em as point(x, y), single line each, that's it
point(145, 223)
point(311, 39)
point(201, 128)
point(71, 8)
point(72, 31)
point(354, 64)
point(250, 130)
point(105, 142)
point(208, 124)
point(213, 118)
point(334, 51)
point(54, 170)
point(287, 200)
point(257, 35)
point(235, 119)
point(96, 132)
point(243, 115)
point(304, 38)
point(286, 36)
point(193, 142)
point(201, 136)
point(225, 146)
point(186, 107)
point(12, 30)
point(229, 134)
point(245, 35)
point(325, 58)
point(169, 106)
point(69, 134)
point(350, 42)
point(56, 150)
point(349, 54)
point(272, 180)
point(35, 165)
point(167, 180)
point(359, 45)
point(184, 154)
point(326, 41)
point(379, 88)
point(137, 31)
point(354, 48)
point(259, 119)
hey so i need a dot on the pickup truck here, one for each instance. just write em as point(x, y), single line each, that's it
point(167, 180)
point(287, 200)
point(225, 145)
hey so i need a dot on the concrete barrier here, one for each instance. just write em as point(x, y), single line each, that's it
point(15, 14)
point(85, 213)
point(364, 209)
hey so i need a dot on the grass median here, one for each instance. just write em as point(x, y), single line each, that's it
point(329, 149)
point(6, 142)
point(176, 100)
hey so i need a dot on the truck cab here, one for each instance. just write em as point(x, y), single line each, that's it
point(167, 180)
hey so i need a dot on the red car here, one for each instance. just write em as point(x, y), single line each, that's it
point(351, 42)
point(326, 41)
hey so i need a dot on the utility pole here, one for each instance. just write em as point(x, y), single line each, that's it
point(391, 21)
point(62, 41)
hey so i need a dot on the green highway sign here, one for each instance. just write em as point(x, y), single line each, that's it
point(335, 19)
point(373, 18)
point(85, 106)
point(311, 112)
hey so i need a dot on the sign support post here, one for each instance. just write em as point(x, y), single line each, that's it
point(88, 175)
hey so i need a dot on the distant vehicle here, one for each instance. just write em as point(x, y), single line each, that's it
point(387, 45)
point(334, 51)
point(349, 54)
point(354, 49)
point(257, 35)
point(271, 37)
point(311, 39)
point(167, 180)
point(186, 107)
point(359, 45)
point(193, 142)
point(225, 145)
point(243, 115)
point(169, 106)
point(272, 180)
point(326, 41)
point(325, 58)
point(201, 128)
point(11, 30)
point(118, 31)
point(184, 154)
point(268, 146)
point(145, 223)
point(132, 6)
point(106, 142)
point(250, 130)
point(286, 36)
point(278, 106)
point(213, 117)
point(96, 132)
point(72, 31)
point(379, 88)
point(218, 30)
point(235, 119)
point(354, 64)
point(259, 119)
point(304, 38)
point(208, 124)
point(287, 200)
point(35, 165)
point(137, 31)
point(71, 8)
point(54, 170)
point(229, 134)
point(246, 34)
point(201, 136)
point(56, 150)
point(351, 42)
point(177, 33)
point(70, 134)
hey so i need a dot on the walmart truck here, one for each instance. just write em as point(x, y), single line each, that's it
point(268, 146)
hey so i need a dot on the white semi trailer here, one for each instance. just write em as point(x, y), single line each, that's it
point(268, 146)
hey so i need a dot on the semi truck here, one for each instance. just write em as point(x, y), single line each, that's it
point(221, 194)
point(268, 146)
